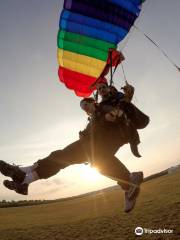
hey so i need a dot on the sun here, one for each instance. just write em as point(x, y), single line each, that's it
point(90, 174)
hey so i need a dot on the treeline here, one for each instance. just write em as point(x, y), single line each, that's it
point(156, 175)
point(23, 203)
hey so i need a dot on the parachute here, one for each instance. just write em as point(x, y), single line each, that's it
point(87, 30)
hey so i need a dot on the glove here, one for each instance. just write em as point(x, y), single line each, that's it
point(113, 115)
point(128, 92)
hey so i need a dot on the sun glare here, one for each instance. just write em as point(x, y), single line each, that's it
point(90, 174)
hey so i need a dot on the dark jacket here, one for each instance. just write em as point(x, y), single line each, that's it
point(135, 118)
point(139, 119)
point(121, 131)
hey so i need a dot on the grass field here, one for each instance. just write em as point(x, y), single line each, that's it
point(100, 216)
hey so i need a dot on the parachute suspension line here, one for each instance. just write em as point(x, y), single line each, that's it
point(161, 50)
point(124, 75)
point(95, 95)
point(111, 71)
point(126, 81)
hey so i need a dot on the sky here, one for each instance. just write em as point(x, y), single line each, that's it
point(39, 115)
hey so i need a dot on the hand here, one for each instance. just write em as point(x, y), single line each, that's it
point(128, 92)
point(110, 117)
point(113, 115)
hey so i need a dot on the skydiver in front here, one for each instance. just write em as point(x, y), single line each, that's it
point(96, 145)
point(108, 130)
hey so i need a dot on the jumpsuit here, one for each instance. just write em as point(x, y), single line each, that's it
point(98, 144)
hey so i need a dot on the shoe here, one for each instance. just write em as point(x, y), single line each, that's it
point(19, 188)
point(12, 171)
point(136, 178)
point(129, 203)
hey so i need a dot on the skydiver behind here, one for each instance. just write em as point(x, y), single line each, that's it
point(95, 146)
point(115, 101)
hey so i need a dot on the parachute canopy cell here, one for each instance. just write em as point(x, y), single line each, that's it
point(87, 30)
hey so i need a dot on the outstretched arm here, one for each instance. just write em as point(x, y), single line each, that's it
point(128, 92)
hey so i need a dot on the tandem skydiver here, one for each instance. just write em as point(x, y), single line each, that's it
point(97, 144)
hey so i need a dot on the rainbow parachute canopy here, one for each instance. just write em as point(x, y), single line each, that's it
point(87, 30)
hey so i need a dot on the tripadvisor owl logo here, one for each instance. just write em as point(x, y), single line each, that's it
point(139, 231)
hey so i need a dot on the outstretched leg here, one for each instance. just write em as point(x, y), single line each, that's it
point(130, 182)
point(60, 159)
point(42, 169)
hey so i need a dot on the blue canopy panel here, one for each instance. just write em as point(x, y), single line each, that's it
point(128, 5)
point(89, 27)
point(88, 31)
point(102, 10)
point(137, 2)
